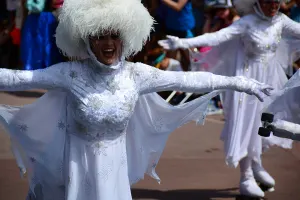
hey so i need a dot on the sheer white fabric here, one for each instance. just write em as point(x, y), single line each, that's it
point(285, 106)
point(256, 48)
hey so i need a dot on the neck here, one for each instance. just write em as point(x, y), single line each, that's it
point(105, 69)
point(100, 67)
point(260, 13)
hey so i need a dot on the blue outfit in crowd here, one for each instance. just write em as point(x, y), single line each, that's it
point(295, 13)
point(38, 46)
point(180, 23)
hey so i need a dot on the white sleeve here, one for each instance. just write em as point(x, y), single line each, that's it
point(291, 27)
point(150, 79)
point(55, 76)
point(216, 38)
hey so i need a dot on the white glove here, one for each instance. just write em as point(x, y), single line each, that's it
point(252, 87)
point(172, 43)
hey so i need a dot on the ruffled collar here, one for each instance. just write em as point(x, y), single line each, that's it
point(100, 67)
point(260, 14)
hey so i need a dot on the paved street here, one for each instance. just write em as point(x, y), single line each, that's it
point(191, 168)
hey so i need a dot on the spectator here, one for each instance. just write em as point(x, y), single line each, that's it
point(286, 6)
point(8, 46)
point(198, 8)
point(156, 10)
point(38, 48)
point(295, 15)
point(220, 15)
point(179, 21)
point(295, 11)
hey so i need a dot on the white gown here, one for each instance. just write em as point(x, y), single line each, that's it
point(96, 130)
point(259, 49)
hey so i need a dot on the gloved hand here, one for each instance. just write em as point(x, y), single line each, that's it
point(172, 43)
point(252, 87)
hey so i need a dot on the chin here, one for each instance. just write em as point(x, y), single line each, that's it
point(110, 62)
point(271, 15)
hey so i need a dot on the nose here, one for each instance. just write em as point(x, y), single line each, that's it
point(109, 39)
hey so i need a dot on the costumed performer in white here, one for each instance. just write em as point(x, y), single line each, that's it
point(261, 45)
point(282, 115)
point(97, 130)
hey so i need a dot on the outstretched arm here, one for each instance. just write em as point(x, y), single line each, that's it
point(291, 27)
point(208, 39)
point(51, 77)
point(178, 6)
point(150, 79)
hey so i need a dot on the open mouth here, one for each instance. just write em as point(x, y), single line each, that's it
point(108, 52)
point(273, 11)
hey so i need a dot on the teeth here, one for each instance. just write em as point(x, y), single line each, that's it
point(108, 50)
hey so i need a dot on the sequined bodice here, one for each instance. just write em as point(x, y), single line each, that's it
point(101, 104)
point(262, 38)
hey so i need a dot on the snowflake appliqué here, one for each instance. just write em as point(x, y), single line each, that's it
point(112, 86)
point(96, 103)
point(105, 171)
point(128, 106)
point(61, 125)
point(23, 127)
point(73, 74)
point(32, 159)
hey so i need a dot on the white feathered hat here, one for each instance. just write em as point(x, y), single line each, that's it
point(80, 19)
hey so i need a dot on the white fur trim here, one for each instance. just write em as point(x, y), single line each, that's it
point(81, 18)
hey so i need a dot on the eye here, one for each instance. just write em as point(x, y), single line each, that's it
point(95, 38)
point(115, 36)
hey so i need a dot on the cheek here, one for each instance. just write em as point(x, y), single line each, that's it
point(96, 46)
point(265, 7)
point(219, 13)
point(119, 46)
point(223, 14)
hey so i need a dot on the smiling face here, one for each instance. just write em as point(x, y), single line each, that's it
point(269, 7)
point(222, 13)
point(106, 47)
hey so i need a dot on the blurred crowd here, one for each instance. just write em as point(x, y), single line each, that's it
point(190, 18)
point(27, 29)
